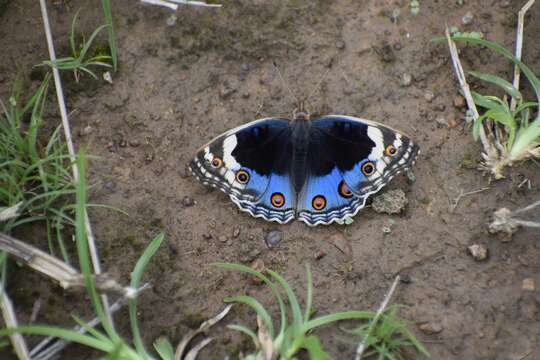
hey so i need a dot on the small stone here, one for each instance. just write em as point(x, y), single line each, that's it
point(440, 107)
point(459, 102)
point(386, 53)
point(171, 20)
point(504, 4)
point(467, 18)
point(528, 284)
point(320, 255)
point(236, 232)
point(149, 158)
point(478, 252)
point(431, 328)
point(386, 230)
point(391, 202)
point(223, 238)
point(406, 80)
point(245, 67)
point(207, 236)
point(397, 46)
point(452, 123)
point(87, 130)
point(110, 185)
point(340, 44)
point(134, 143)
point(273, 238)
point(429, 96)
point(122, 143)
point(441, 120)
point(257, 265)
point(245, 95)
point(188, 201)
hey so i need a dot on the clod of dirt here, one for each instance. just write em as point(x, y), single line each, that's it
point(236, 232)
point(223, 238)
point(528, 284)
point(257, 265)
point(386, 53)
point(429, 96)
point(431, 328)
point(391, 202)
point(188, 201)
point(273, 238)
point(502, 222)
point(406, 80)
point(467, 18)
point(340, 45)
point(478, 252)
point(459, 102)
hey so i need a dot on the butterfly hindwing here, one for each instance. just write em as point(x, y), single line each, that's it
point(251, 164)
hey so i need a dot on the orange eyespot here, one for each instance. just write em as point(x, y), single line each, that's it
point(216, 162)
point(368, 168)
point(318, 202)
point(242, 177)
point(277, 199)
point(391, 150)
point(344, 190)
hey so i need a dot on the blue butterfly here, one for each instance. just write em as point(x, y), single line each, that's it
point(318, 171)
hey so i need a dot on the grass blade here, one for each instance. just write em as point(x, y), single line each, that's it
point(110, 29)
point(500, 82)
point(257, 307)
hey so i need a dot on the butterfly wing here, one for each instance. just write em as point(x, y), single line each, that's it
point(349, 160)
point(251, 164)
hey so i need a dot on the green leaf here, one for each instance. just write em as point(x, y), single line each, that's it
point(502, 83)
point(164, 348)
point(293, 301)
point(327, 319)
point(248, 332)
point(136, 276)
point(258, 307)
point(309, 295)
point(313, 345)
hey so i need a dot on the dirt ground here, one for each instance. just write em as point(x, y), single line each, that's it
point(181, 84)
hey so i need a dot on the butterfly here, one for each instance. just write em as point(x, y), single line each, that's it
point(318, 171)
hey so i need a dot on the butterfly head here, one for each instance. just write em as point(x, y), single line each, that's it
point(300, 113)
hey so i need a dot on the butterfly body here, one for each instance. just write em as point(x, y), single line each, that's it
point(318, 171)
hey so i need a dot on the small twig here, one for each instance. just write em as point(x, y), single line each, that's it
point(462, 194)
point(10, 319)
point(362, 346)
point(173, 4)
point(71, 149)
point(66, 275)
point(181, 348)
point(519, 47)
point(43, 351)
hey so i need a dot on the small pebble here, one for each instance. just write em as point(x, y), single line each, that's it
point(528, 284)
point(504, 4)
point(440, 107)
point(223, 238)
point(467, 18)
point(188, 201)
point(320, 255)
point(110, 185)
point(478, 252)
point(441, 120)
point(340, 44)
point(406, 79)
point(397, 46)
point(207, 236)
point(257, 265)
point(429, 96)
point(236, 232)
point(149, 158)
point(134, 143)
point(273, 238)
point(431, 328)
point(459, 101)
point(245, 67)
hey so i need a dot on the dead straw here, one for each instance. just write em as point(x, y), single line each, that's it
point(362, 346)
point(10, 319)
point(71, 148)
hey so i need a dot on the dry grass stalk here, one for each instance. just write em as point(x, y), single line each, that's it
point(71, 148)
point(10, 319)
point(66, 275)
point(173, 4)
point(362, 346)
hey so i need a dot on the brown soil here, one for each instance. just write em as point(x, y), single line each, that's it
point(179, 86)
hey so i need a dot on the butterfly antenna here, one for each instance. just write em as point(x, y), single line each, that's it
point(318, 85)
point(285, 85)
